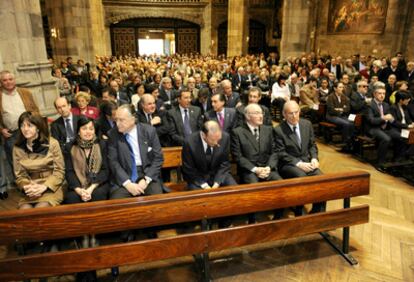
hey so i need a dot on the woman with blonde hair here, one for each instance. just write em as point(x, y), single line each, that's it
point(82, 100)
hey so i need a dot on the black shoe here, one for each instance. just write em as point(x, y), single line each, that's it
point(299, 211)
point(380, 168)
point(1, 196)
point(115, 271)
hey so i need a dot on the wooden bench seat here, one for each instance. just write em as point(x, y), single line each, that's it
point(70, 221)
point(172, 160)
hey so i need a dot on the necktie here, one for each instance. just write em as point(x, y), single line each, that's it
point(69, 130)
point(187, 127)
point(221, 120)
point(381, 109)
point(208, 156)
point(297, 135)
point(149, 118)
point(134, 172)
point(256, 134)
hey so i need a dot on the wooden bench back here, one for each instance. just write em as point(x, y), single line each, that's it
point(172, 157)
point(68, 221)
point(125, 214)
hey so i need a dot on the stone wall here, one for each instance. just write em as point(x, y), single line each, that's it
point(387, 44)
point(23, 50)
point(80, 28)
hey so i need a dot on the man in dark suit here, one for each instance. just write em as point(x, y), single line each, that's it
point(225, 117)
point(253, 148)
point(120, 95)
point(254, 96)
point(203, 100)
point(296, 147)
point(147, 113)
point(184, 118)
point(167, 93)
point(335, 68)
point(205, 158)
point(109, 94)
point(232, 98)
point(378, 124)
point(240, 81)
point(64, 128)
point(134, 155)
point(359, 98)
point(106, 120)
point(399, 73)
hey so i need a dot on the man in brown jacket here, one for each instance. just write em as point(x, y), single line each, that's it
point(13, 102)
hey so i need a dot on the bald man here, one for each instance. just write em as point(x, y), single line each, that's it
point(148, 113)
point(205, 158)
point(253, 148)
point(63, 129)
point(295, 144)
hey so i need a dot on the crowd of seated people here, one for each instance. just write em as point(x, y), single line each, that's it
point(115, 118)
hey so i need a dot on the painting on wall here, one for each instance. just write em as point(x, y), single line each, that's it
point(357, 16)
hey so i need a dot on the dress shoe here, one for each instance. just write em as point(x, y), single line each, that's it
point(380, 168)
point(115, 271)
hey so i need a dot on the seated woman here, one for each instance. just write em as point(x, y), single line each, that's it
point(87, 173)
point(38, 164)
point(82, 100)
point(402, 120)
point(338, 109)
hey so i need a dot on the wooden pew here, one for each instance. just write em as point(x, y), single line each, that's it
point(172, 159)
point(69, 221)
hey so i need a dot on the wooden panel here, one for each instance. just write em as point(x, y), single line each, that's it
point(172, 157)
point(157, 249)
point(124, 41)
point(187, 40)
point(115, 215)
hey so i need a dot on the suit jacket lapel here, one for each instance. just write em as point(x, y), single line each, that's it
point(250, 137)
point(180, 122)
point(202, 153)
point(291, 135)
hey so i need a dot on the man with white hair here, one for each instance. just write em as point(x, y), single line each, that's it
point(253, 148)
point(167, 93)
point(13, 102)
point(295, 144)
point(392, 69)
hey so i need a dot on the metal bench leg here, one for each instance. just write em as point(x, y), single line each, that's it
point(205, 263)
point(344, 252)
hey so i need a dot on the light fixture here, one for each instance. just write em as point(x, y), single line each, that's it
point(147, 37)
point(53, 32)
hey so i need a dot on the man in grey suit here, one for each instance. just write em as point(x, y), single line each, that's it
point(184, 118)
point(295, 144)
point(253, 148)
point(232, 98)
point(205, 158)
point(135, 156)
point(226, 117)
point(63, 129)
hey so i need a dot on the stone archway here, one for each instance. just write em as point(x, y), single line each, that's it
point(126, 33)
point(196, 19)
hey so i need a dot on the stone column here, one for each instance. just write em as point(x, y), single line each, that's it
point(205, 31)
point(80, 29)
point(298, 28)
point(238, 27)
point(23, 50)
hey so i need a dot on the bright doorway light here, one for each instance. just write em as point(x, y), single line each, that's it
point(151, 46)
